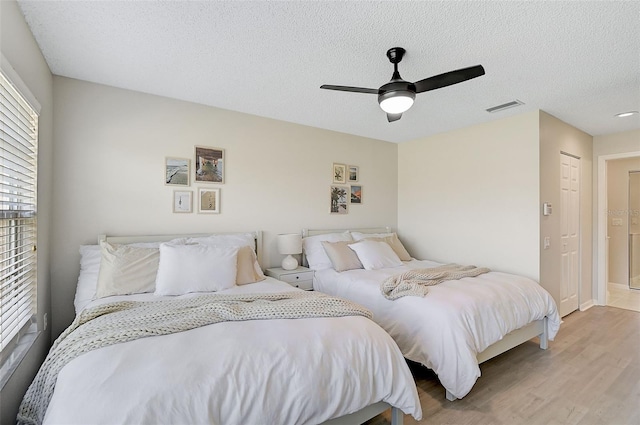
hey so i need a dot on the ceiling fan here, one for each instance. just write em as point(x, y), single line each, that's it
point(398, 95)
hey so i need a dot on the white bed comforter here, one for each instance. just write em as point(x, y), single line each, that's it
point(456, 320)
point(301, 371)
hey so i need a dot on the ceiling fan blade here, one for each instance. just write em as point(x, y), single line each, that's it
point(351, 89)
point(393, 117)
point(449, 78)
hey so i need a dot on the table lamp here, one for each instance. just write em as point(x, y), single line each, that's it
point(290, 243)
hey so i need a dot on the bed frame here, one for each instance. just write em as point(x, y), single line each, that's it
point(355, 418)
point(534, 329)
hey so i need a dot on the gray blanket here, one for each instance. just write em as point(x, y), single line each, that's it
point(119, 322)
point(415, 282)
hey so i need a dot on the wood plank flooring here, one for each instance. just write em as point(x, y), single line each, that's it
point(589, 375)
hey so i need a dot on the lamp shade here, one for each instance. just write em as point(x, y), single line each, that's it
point(290, 243)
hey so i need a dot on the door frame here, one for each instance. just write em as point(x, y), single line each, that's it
point(601, 214)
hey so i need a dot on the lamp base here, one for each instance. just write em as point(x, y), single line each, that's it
point(289, 263)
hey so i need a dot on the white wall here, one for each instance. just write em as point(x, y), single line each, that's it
point(19, 47)
point(471, 195)
point(109, 160)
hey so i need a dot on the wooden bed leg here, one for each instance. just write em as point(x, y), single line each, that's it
point(450, 396)
point(397, 417)
point(544, 336)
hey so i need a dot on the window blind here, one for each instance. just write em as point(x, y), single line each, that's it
point(18, 226)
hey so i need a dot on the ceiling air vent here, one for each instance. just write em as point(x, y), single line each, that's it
point(504, 106)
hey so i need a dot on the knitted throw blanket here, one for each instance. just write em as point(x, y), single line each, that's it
point(415, 282)
point(128, 320)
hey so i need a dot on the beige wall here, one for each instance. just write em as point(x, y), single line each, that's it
point(471, 195)
point(617, 143)
point(555, 137)
point(20, 49)
point(618, 208)
point(110, 150)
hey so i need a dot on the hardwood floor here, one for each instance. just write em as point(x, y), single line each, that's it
point(623, 297)
point(589, 375)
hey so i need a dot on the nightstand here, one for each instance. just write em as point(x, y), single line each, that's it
point(301, 277)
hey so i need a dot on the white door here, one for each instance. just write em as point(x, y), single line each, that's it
point(569, 233)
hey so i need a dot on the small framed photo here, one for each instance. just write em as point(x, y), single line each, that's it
point(356, 194)
point(339, 173)
point(209, 165)
point(182, 201)
point(177, 171)
point(209, 201)
point(339, 203)
point(353, 173)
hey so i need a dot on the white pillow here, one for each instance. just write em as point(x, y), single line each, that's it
point(195, 268)
point(126, 269)
point(375, 255)
point(314, 251)
point(235, 240)
point(90, 256)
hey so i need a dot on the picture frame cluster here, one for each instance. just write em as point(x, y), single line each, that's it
point(209, 167)
point(346, 188)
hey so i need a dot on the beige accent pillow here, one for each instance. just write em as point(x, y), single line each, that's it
point(342, 258)
point(316, 255)
point(125, 270)
point(395, 244)
point(247, 272)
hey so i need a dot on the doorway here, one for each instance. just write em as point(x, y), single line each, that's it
point(634, 229)
point(603, 294)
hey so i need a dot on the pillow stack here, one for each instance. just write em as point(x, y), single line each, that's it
point(354, 250)
point(177, 267)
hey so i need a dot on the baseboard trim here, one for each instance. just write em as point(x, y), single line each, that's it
point(618, 285)
point(587, 305)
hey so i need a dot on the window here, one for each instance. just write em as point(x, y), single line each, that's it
point(18, 165)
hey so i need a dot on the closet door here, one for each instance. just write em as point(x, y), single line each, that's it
point(569, 233)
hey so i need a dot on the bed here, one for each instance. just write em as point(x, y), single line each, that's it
point(252, 369)
point(456, 326)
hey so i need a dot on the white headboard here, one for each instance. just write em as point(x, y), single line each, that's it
point(315, 232)
point(257, 235)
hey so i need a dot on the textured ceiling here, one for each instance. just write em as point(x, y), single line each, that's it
point(579, 61)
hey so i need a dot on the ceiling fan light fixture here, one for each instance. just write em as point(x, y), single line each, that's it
point(396, 102)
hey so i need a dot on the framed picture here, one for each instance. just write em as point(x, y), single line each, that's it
point(209, 201)
point(356, 194)
point(339, 204)
point(177, 171)
point(339, 173)
point(209, 165)
point(354, 173)
point(182, 201)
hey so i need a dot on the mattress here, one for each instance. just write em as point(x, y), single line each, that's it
point(456, 320)
point(280, 371)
